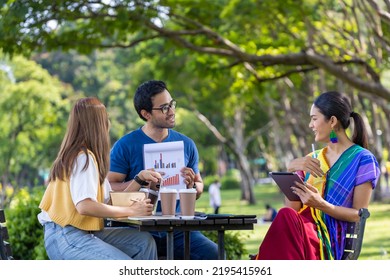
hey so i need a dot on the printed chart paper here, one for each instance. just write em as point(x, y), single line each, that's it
point(168, 158)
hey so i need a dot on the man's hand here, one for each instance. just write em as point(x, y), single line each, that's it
point(189, 176)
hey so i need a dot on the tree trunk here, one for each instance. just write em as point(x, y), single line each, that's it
point(237, 145)
point(240, 144)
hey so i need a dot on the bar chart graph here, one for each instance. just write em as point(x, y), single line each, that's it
point(161, 164)
point(167, 158)
point(172, 180)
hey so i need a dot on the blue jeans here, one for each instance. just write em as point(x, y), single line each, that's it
point(201, 248)
point(70, 243)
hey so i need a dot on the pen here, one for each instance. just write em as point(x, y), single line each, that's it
point(314, 151)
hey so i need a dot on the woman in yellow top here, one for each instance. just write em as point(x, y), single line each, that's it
point(76, 199)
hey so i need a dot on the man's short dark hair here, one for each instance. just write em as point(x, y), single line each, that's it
point(144, 93)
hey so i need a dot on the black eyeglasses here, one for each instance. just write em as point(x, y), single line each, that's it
point(165, 108)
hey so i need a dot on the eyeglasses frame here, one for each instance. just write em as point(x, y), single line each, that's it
point(166, 107)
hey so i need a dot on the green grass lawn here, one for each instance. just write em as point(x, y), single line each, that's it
point(376, 244)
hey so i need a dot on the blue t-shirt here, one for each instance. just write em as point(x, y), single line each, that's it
point(127, 154)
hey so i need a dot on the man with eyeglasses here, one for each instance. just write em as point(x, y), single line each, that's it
point(155, 106)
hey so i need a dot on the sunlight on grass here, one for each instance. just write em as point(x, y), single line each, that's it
point(376, 244)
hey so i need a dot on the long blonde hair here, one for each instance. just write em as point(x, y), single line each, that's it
point(88, 129)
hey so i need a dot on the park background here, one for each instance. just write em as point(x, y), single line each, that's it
point(244, 74)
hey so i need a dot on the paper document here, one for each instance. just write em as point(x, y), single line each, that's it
point(168, 158)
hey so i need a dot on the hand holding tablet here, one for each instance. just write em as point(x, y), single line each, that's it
point(285, 180)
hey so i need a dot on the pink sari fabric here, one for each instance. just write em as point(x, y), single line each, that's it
point(291, 236)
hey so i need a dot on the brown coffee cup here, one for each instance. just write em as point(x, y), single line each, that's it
point(168, 201)
point(187, 203)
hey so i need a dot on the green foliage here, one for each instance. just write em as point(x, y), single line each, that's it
point(26, 233)
point(188, 124)
point(231, 180)
point(234, 246)
point(105, 75)
point(208, 180)
point(33, 115)
point(234, 31)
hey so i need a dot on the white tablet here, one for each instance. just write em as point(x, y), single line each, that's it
point(285, 180)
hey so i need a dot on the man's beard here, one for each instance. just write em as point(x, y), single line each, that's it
point(163, 124)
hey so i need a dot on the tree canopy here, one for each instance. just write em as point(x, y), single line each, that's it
point(271, 39)
point(33, 114)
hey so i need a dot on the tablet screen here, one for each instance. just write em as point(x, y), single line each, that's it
point(285, 180)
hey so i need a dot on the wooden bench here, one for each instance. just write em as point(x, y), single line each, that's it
point(353, 239)
point(5, 247)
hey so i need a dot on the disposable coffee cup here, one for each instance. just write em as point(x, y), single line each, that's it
point(187, 203)
point(152, 194)
point(168, 201)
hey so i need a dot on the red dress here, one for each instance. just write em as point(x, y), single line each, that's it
point(291, 236)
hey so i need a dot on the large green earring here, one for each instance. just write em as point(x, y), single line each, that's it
point(333, 137)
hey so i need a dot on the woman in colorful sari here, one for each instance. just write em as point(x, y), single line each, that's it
point(338, 181)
